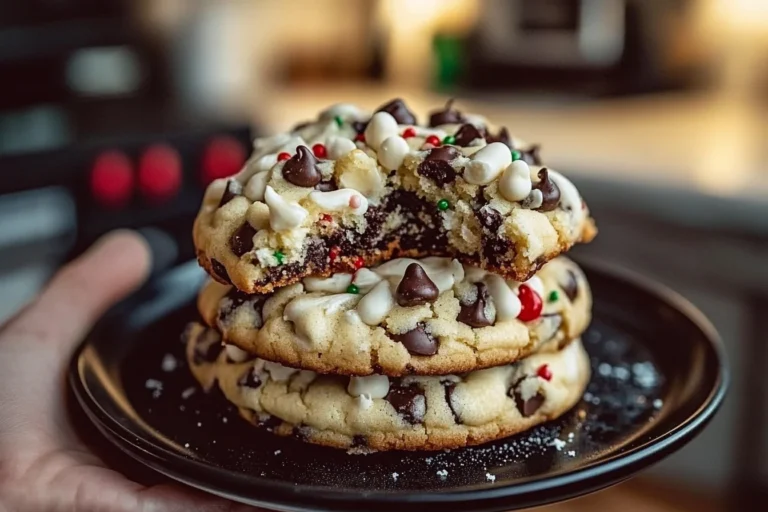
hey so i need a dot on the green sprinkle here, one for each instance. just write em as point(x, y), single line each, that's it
point(353, 289)
point(339, 121)
point(442, 205)
point(516, 155)
point(449, 139)
point(279, 256)
point(553, 296)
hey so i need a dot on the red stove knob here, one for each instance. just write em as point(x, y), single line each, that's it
point(223, 156)
point(111, 179)
point(160, 174)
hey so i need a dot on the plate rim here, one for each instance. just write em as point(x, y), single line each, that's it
point(282, 492)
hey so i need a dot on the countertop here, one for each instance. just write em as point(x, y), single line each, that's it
point(694, 158)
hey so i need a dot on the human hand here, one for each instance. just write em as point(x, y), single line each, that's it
point(43, 465)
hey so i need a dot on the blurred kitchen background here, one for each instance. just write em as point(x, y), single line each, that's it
point(117, 113)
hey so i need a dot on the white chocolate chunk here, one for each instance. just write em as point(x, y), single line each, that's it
point(338, 147)
point(278, 372)
point(372, 386)
point(266, 145)
point(214, 192)
point(487, 163)
point(570, 199)
point(381, 126)
point(374, 307)
point(308, 315)
point(343, 110)
point(264, 163)
point(342, 199)
point(337, 283)
point(359, 171)
point(283, 215)
point(235, 353)
point(392, 152)
point(504, 299)
point(515, 182)
point(256, 186)
point(536, 285)
point(365, 279)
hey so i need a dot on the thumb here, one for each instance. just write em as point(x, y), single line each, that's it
point(83, 290)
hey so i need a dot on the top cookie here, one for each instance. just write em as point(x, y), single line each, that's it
point(351, 190)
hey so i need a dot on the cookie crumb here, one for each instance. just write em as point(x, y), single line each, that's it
point(188, 393)
point(224, 419)
point(199, 424)
point(442, 473)
point(559, 444)
point(169, 363)
point(278, 452)
point(186, 445)
point(156, 386)
point(490, 477)
point(658, 403)
point(394, 476)
point(571, 453)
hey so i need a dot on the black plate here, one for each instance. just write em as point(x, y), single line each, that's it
point(659, 376)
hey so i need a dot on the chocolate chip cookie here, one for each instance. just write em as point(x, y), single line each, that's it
point(351, 189)
point(429, 316)
point(382, 413)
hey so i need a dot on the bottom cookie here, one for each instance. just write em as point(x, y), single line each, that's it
point(378, 413)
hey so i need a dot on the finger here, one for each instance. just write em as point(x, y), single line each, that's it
point(173, 498)
point(80, 292)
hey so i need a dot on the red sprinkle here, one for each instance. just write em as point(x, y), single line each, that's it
point(433, 139)
point(544, 372)
point(333, 253)
point(531, 303)
point(326, 217)
point(359, 263)
point(281, 157)
point(319, 151)
point(360, 137)
point(409, 132)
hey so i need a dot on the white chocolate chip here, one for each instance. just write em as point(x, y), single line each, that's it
point(338, 147)
point(570, 199)
point(337, 283)
point(257, 184)
point(303, 380)
point(487, 163)
point(372, 386)
point(265, 145)
point(392, 152)
point(342, 199)
point(536, 285)
point(264, 163)
point(457, 269)
point(381, 126)
point(278, 372)
point(374, 307)
point(515, 182)
point(214, 192)
point(283, 215)
point(504, 299)
point(235, 353)
point(365, 279)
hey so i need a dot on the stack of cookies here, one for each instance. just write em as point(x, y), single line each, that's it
point(381, 284)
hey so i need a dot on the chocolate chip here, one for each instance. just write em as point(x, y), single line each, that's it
point(466, 134)
point(409, 402)
point(531, 155)
point(241, 241)
point(450, 387)
point(474, 314)
point(436, 166)
point(359, 441)
point(418, 341)
point(249, 379)
point(570, 285)
point(326, 186)
point(502, 136)
point(301, 169)
point(490, 218)
point(220, 270)
point(416, 288)
point(550, 193)
point(397, 109)
point(448, 115)
point(359, 126)
point(529, 407)
point(232, 190)
point(208, 346)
